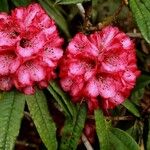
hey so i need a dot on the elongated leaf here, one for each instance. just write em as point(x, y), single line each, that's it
point(131, 107)
point(122, 140)
point(66, 2)
point(112, 138)
point(11, 113)
point(3, 5)
point(55, 14)
point(66, 102)
point(102, 129)
point(146, 3)
point(72, 130)
point(21, 2)
point(59, 101)
point(45, 126)
point(141, 14)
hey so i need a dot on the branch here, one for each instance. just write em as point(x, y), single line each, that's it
point(116, 118)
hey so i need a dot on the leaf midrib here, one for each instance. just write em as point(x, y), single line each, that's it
point(41, 112)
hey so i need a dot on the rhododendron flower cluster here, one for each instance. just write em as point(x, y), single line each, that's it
point(30, 49)
point(101, 68)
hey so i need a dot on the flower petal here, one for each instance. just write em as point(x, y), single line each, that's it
point(6, 83)
point(66, 84)
point(76, 68)
point(37, 73)
point(81, 44)
point(53, 53)
point(29, 90)
point(92, 88)
point(114, 63)
point(24, 76)
point(106, 87)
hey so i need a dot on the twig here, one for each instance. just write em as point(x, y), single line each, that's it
point(86, 142)
point(135, 35)
point(142, 145)
point(25, 144)
point(27, 115)
point(116, 118)
point(126, 2)
point(120, 118)
point(81, 9)
point(87, 25)
point(144, 48)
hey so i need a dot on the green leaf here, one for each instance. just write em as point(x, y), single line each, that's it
point(141, 14)
point(102, 128)
point(122, 140)
point(59, 101)
point(4, 5)
point(66, 2)
point(72, 130)
point(146, 3)
point(54, 12)
point(131, 107)
point(65, 102)
point(148, 138)
point(21, 2)
point(112, 138)
point(45, 126)
point(11, 112)
point(142, 81)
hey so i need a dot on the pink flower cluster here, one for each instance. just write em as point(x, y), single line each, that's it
point(101, 68)
point(30, 49)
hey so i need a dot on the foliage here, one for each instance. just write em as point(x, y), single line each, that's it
point(112, 137)
point(127, 127)
point(140, 10)
point(11, 112)
point(45, 126)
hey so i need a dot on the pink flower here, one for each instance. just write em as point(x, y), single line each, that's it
point(101, 68)
point(30, 49)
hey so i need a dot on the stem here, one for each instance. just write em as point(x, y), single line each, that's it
point(81, 9)
point(86, 142)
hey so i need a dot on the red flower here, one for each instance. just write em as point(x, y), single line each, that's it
point(100, 67)
point(30, 49)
